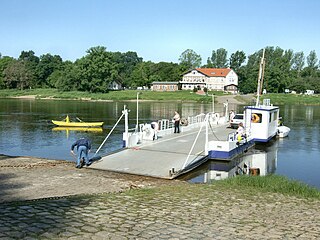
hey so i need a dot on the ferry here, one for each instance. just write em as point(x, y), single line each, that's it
point(260, 124)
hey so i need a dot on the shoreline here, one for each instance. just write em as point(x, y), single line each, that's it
point(218, 99)
point(29, 178)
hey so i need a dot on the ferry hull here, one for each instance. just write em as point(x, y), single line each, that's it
point(223, 150)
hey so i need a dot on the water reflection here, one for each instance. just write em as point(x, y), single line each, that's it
point(77, 129)
point(261, 160)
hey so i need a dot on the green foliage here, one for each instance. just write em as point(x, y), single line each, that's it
point(93, 72)
point(281, 99)
point(18, 75)
point(111, 95)
point(4, 62)
point(218, 59)
point(46, 66)
point(237, 59)
point(271, 183)
point(189, 59)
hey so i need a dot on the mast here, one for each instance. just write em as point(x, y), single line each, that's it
point(260, 78)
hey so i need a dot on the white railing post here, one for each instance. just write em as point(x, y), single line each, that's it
point(207, 135)
point(126, 126)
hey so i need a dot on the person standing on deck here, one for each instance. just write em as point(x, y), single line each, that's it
point(176, 119)
point(240, 132)
point(155, 127)
point(231, 115)
point(83, 148)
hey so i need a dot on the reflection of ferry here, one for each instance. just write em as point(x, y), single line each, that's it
point(255, 162)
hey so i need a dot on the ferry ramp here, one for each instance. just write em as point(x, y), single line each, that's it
point(167, 157)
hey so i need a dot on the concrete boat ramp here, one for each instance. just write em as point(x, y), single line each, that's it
point(167, 157)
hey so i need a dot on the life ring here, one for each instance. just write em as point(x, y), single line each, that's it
point(255, 118)
point(184, 122)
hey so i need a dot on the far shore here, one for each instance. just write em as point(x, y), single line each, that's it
point(219, 99)
point(153, 96)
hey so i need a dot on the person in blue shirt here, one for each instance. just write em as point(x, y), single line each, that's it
point(83, 148)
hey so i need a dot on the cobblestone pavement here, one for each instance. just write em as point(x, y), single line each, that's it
point(172, 212)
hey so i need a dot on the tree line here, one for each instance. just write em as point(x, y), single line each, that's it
point(284, 69)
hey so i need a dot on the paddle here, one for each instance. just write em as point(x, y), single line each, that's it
point(79, 119)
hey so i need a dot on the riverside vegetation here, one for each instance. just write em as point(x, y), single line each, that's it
point(126, 95)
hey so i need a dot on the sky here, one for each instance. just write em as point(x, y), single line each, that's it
point(158, 30)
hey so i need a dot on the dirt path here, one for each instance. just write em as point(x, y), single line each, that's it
point(25, 178)
point(235, 99)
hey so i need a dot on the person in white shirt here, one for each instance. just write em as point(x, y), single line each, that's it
point(240, 132)
point(231, 116)
point(176, 119)
point(155, 127)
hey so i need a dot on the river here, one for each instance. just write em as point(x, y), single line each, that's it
point(26, 130)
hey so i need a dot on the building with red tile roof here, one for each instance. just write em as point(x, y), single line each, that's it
point(217, 79)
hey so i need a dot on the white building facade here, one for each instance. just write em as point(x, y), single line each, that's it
point(214, 79)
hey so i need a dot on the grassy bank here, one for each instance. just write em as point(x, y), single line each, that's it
point(157, 96)
point(272, 184)
point(112, 95)
point(281, 98)
point(245, 186)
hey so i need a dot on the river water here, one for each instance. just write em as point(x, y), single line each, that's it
point(26, 130)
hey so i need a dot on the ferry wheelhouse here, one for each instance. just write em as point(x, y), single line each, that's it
point(262, 121)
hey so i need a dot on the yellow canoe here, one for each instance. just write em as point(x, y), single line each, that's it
point(68, 123)
point(85, 129)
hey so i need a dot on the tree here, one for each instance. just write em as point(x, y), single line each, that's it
point(31, 62)
point(67, 79)
point(248, 81)
point(46, 66)
point(126, 62)
point(276, 70)
point(166, 71)
point(189, 59)
point(298, 63)
point(97, 70)
point(211, 62)
point(18, 75)
point(4, 62)
point(312, 59)
point(312, 67)
point(141, 74)
point(237, 59)
point(218, 59)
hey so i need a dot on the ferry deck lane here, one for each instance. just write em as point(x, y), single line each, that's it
point(165, 156)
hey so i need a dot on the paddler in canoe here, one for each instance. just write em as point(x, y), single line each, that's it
point(68, 123)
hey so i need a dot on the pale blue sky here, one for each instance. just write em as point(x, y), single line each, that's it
point(158, 30)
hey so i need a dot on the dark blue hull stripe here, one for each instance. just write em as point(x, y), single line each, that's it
point(231, 154)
